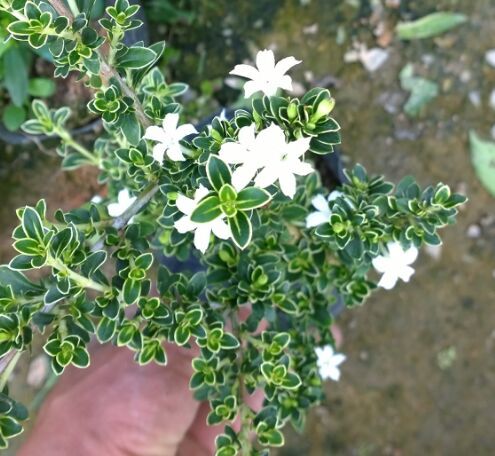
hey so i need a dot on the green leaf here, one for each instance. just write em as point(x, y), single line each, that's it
point(252, 198)
point(136, 57)
point(207, 210)
point(241, 228)
point(428, 26)
point(106, 329)
point(15, 75)
point(32, 224)
point(131, 291)
point(483, 159)
point(41, 87)
point(422, 90)
point(182, 335)
point(218, 172)
point(13, 117)
point(80, 357)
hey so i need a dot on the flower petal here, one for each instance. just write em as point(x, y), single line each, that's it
point(247, 135)
point(200, 193)
point(267, 177)
point(334, 195)
point(316, 219)
point(245, 71)
point(243, 175)
point(233, 153)
point(319, 202)
point(410, 255)
point(296, 148)
point(170, 123)
point(185, 130)
point(287, 184)
point(405, 273)
point(285, 82)
point(155, 133)
point(174, 152)
point(286, 64)
point(265, 61)
point(159, 152)
point(251, 87)
point(185, 205)
point(184, 225)
point(301, 168)
point(388, 280)
point(220, 229)
point(202, 237)
point(338, 359)
point(381, 263)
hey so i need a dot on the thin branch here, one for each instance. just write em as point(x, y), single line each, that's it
point(107, 72)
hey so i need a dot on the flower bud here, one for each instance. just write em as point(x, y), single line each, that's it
point(324, 108)
point(292, 111)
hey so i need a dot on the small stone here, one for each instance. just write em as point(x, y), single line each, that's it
point(309, 76)
point(311, 29)
point(473, 231)
point(373, 58)
point(490, 57)
point(364, 356)
point(38, 371)
point(491, 101)
point(465, 76)
point(434, 251)
point(475, 98)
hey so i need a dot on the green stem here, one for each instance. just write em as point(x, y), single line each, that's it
point(67, 138)
point(7, 372)
point(84, 282)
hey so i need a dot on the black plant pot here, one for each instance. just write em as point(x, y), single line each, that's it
point(131, 37)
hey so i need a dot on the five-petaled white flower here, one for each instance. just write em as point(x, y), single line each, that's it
point(124, 202)
point(328, 362)
point(202, 231)
point(268, 77)
point(268, 152)
point(322, 214)
point(395, 264)
point(168, 137)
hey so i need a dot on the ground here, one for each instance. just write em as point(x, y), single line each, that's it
point(420, 373)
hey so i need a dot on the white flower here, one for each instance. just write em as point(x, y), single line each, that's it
point(168, 137)
point(395, 264)
point(323, 212)
point(269, 153)
point(202, 231)
point(124, 202)
point(328, 362)
point(268, 77)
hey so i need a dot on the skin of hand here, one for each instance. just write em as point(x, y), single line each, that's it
point(117, 408)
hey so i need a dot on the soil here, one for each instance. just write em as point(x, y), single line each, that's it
point(420, 373)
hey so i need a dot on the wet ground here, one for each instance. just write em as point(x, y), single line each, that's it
point(420, 374)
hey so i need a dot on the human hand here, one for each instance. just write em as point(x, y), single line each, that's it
point(116, 407)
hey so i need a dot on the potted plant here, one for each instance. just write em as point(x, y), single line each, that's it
point(242, 196)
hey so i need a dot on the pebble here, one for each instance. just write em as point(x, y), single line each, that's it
point(490, 57)
point(311, 29)
point(475, 98)
point(434, 251)
point(38, 371)
point(492, 99)
point(373, 58)
point(473, 231)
